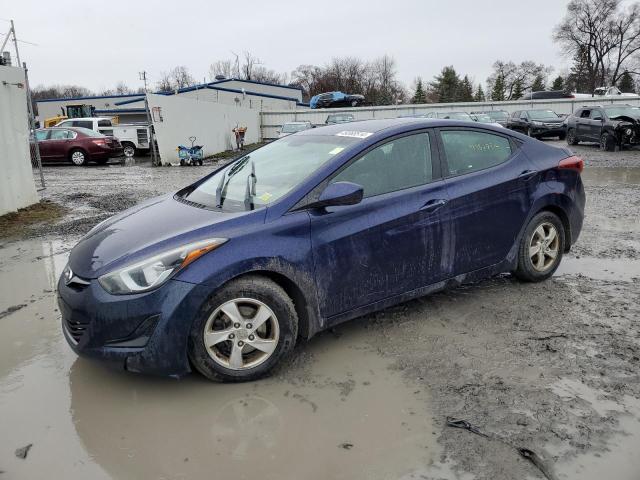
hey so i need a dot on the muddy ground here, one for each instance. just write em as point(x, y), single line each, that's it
point(553, 367)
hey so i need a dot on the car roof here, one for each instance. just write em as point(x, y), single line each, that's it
point(401, 124)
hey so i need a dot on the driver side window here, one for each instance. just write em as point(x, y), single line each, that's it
point(401, 163)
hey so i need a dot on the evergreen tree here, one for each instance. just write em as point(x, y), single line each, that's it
point(445, 85)
point(558, 83)
point(479, 95)
point(465, 90)
point(538, 84)
point(419, 95)
point(625, 84)
point(517, 90)
point(497, 92)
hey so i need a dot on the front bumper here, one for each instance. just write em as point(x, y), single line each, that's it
point(146, 333)
point(545, 131)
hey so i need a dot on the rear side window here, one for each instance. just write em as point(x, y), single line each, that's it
point(83, 124)
point(41, 135)
point(396, 165)
point(61, 134)
point(468, 151)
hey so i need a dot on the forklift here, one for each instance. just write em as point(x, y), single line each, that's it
point(73, 111)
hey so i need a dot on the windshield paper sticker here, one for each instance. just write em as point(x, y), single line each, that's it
point(336, 150)
point(354, 134)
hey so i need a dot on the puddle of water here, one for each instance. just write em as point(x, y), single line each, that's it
point(600, 268)
point(341, 414)
point(611, 175)
point(620, 461)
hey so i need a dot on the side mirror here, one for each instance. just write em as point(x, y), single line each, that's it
point(339, 193)
point(525, 119)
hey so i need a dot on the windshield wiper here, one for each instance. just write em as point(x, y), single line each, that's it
point(250, 192)
point(221, 190)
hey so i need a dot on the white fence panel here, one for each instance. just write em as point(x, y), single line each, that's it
point(17, 188)
point(273, 120)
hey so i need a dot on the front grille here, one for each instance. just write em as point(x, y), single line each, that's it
point(75, 328)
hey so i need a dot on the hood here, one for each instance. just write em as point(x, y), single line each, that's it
point(149, 228)
point(625, 118)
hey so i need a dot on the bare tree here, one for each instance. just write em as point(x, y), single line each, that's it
point(177, 78)
point(512, 78)
point(601, 37)
point(221, 67)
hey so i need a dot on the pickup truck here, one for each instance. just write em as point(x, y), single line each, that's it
point(134, 138)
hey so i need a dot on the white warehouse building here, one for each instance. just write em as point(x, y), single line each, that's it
point(230, 91)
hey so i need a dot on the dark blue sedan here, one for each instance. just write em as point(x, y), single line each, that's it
point(309, 231)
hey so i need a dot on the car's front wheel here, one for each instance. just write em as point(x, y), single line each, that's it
point(243, 330)
point(572, 139)
point(541, 248)
point(607, 142)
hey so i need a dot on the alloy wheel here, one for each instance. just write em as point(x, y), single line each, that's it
point(544, 247)
point(78, 158)
point(241, 333)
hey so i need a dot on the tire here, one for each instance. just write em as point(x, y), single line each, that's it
point(572, 138)
point(354, 103)
point(200, 162)
point(182, 162)
point(537, 234)
point(530, 133)
point(607, 142)
point(129, 149)
point(78, 157)
point(278, 331)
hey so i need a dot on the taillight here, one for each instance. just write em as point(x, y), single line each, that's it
point(572, 163)
point(100, 142)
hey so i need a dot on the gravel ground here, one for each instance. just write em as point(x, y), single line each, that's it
point(552, 367)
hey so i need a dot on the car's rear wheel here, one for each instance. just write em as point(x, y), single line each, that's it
point(607, 142)
point(541, 248)
point(243, 330)
point(78, 157)
point(354, 103)
point(128, 149)
point(572, 138)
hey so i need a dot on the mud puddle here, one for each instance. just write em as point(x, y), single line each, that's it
point(619, 457)
point(611, 175)
point(337, 412)
point(601, 268)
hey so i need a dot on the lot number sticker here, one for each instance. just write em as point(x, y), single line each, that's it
point(354, 134)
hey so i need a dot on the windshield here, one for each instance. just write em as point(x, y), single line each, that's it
point(483, 118)
point(613, 112)
point(543, 115)
point(455, 116)
point(497, 115)
point(266, 174)
point(293, 127)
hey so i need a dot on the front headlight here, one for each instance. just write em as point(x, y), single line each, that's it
point(153, 272)
point(537, 124)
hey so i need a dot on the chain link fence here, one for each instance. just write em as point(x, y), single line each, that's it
point(36, 160)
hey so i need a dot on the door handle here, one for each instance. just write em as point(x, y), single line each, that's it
point(433, 205)
point(527, 174)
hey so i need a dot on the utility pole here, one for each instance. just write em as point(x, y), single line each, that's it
point(152, 140)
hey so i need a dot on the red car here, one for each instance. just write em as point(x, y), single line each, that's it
point(76, 145)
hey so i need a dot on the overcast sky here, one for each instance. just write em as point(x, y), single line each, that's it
point(97, 44)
